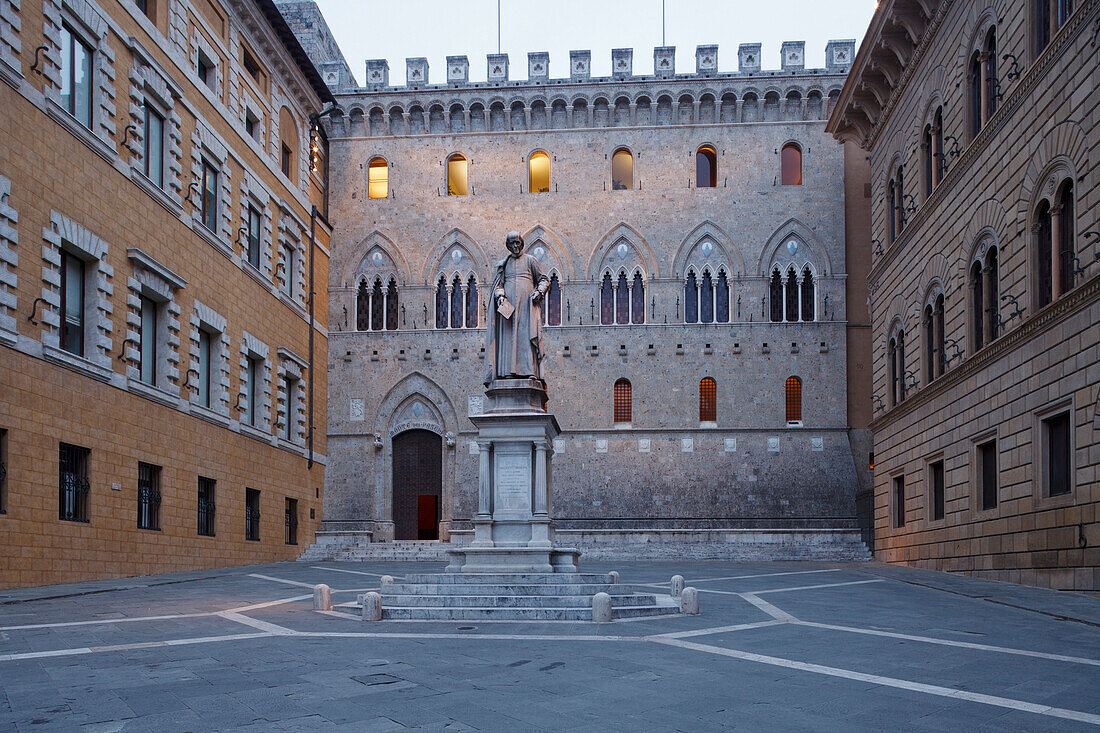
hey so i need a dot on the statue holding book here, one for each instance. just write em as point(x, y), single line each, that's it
point(512, 344)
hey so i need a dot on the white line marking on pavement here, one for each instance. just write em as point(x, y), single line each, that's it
point(761, 575)
point(268, 604)
point(720, 629)
point(1003, 702)
point(281, 580)
point(124, 647)
point(257, 624)
point(776, 613)
point(951, 642)
point(353, 572)
point(823, 585)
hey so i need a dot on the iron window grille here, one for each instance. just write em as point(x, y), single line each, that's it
point(3, 471)
point(623, 401)
point(291, 521)
point(148, 496)
point(206, 506)
point(252, 515)
point(73, 483)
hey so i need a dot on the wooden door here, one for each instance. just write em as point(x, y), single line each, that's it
point(417, 481)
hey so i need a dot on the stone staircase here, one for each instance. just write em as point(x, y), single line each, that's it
point(516, 596)
point(348, 546)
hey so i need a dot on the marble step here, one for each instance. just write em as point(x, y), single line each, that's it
point(506, 578)
point(509, 589)
point(481, 601)
point(520, 614)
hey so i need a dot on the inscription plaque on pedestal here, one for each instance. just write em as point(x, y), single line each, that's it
point(512, 480)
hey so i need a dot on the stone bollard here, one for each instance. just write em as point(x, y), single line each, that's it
point(689, 601)
point(676, 587)
point(372, 606)
point(601, 608)
point(322, 597)
point(613, 577)
point(386, 580)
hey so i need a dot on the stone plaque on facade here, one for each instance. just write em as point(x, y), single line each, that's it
point(559, 445)
point(356, 412)
point(731, 445)
point(687, 445)
point(601, 446)
point(817, 444)
point(643, 445)
point(475, 404)
point(773, 445)
point(512, 477)
point(474, 448)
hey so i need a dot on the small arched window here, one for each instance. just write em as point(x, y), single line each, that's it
point(622, 300)
point(378, 178)
point(928, 158)
point(1067, 246)
point(806, 295)
point(538, 173)
point(457, 168)
point(722, 299)
point(992, 299)
point(791, 165)
point(377, 306)
point(552, 307)
point(708, 400)
point(794, 401)
point(691, 299)
point(362, 307)
point(775, 296)
point(391, 305)
point(471, 303)
point(637, 299)
point(441, 303)
point(978, 303)
point(790, 299)
point(706, 299)
point(623, 401)
point(706, 167)
point(892, 364)
point(457, 314)
point(891, 208)
point(607, 301)
point(934, 359)
point(1044, 260)
point(622, 170)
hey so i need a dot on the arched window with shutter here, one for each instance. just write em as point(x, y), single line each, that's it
point(376, 306)
point(637, 299)
point(457, 175)
point(607, 301)
point(622, 170)
point(552, 306)
point(706, 167)
point(623, 401)
point(391, 305)
point(471, 303)
point(378, 179)
point(441, 303)
point(722, 299)
point(791, 165)
point(362, 307)
point(691, 299)
point(622, 300)
point(775, 296)
point(538, 172)
point(708, 400)
point(809, 308)
point(794, 401)
point(456, 303)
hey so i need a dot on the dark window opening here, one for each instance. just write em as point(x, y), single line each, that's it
point(252, 515)
point(148, 496)
point(251, 65)
point(1059, 456)
point(254, 223)
point(899, 501)
point(209, 197)
point(936, 479)
point(285, 158)
point(154, 146)
point(706, 167)
point(72, 303)
point(207, 487)
point(73, 486)
point(291, 521)
point(987, 474)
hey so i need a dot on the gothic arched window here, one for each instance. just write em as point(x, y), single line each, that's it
point(623, 401)
point(456, 303)
point(807, 295)
point(706, 167)
point(794, 400)
point(391, 306)
point(722, 299)
point(637, 299)
point(791, 165)
point(362, 307)
point(441, 303)
point(706, 299)
point(691, 299)
point(552, 306)
point(622, 170)
point(471, 303)
point(607, 301)
point(775, 296)
point(790, 300)
point(708, 400)
point(376, 306)
point(622, 300)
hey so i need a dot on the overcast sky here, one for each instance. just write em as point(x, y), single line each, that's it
point(395, 30)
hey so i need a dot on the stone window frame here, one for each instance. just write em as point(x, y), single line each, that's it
point(154, 281)
point(86, 21)
point(257, 349)
point(248, 103)
point(897, 327)
point(293, 366)
point(929, 361)
point(292, 236)
point(985, 246)
point(974, 458)
point(463, 269)
point(9, 265)
point(207, 146)
point(1039, 451)
point(715, 271)
point(196, 43)
point(255, 194)
point(933, 163)
point(11, 45)
point(937, 456)
point(1056, 175)
point(527, 164)
point(150, 84)
point(892, 499)
point(203, 317)
point(804, 258)
point(65, 233)
point(974, 48)
point(630, 272)
point(447, 174)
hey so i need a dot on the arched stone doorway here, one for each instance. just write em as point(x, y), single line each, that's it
point(417, 484)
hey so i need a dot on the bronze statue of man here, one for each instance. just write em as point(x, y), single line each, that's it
point(515, 315)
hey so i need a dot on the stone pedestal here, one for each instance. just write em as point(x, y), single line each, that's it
point(513, 528)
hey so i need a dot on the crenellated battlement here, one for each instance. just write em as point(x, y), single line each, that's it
point(838, 60)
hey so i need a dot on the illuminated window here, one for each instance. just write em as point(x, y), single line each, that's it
point(706, 167)
point(708, 400)
point(622, 170)
point(378, 179)
point(791, 164)
point(457, 167)
point(538, 173)
point(794, 401)
point(623, 397)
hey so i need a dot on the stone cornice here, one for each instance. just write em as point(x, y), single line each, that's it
point(1050, 316)
point(1005, 114)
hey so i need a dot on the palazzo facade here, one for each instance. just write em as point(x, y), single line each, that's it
point(705, 345)
point(980, 119)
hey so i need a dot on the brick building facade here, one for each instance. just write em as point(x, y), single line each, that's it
point(981, 123)
point(158, 410)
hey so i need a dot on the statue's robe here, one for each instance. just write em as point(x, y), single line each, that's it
point(512, 344)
